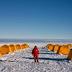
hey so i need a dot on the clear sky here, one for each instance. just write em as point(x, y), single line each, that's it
point(36, 19)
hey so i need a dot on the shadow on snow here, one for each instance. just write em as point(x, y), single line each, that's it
point(54, 59)
point(47, 53)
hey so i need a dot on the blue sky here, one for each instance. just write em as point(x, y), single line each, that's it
point(36, 19)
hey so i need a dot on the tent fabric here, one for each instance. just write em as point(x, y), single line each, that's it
point(50, 46)
point(56, 47)
point(69, 45)
point(17, 47)
point(11, 48)
point(63, 50)
point(24, 46)
point(4, 49)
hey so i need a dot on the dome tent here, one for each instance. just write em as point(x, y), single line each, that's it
point(70, 55)
point(69, 45)
point(50, 46)
point(24, 46)
point(4, 49)
point(11, 48)
point(17, 47)
point(0, 55)
point(60, 49)
point(63, 50)
point(56, 47)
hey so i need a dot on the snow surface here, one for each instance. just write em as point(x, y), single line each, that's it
point(22, 61)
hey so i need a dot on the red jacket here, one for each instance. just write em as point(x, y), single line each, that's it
point(35, 51)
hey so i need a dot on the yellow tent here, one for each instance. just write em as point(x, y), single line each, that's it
point(50, 46)
point(0, 55)
point(63, 50)
point(4, 49)
point(70, 55)
point(17, 47)
point(60, 49)
point(11, 48)
point(56, 47)
point(24, 46)
point(69, 45)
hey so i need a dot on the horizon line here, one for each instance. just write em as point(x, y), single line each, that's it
point(34, 39)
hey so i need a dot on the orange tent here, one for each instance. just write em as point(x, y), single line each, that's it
point(4, 49)
point(24, 46)
point(17, 47)
point(56, 47)
point(69, 45)
point(60, 49)
point(0, 55)
point(63, 50)
point(11, 48)
point(50, 46)
point(70, 55)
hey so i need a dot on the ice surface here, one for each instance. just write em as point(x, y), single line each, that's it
point(22, 60)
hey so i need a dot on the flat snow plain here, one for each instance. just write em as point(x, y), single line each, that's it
point(22, 61)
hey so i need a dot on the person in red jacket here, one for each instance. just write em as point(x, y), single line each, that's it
point(35, 53)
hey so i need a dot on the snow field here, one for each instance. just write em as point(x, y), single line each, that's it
point(22, 61)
